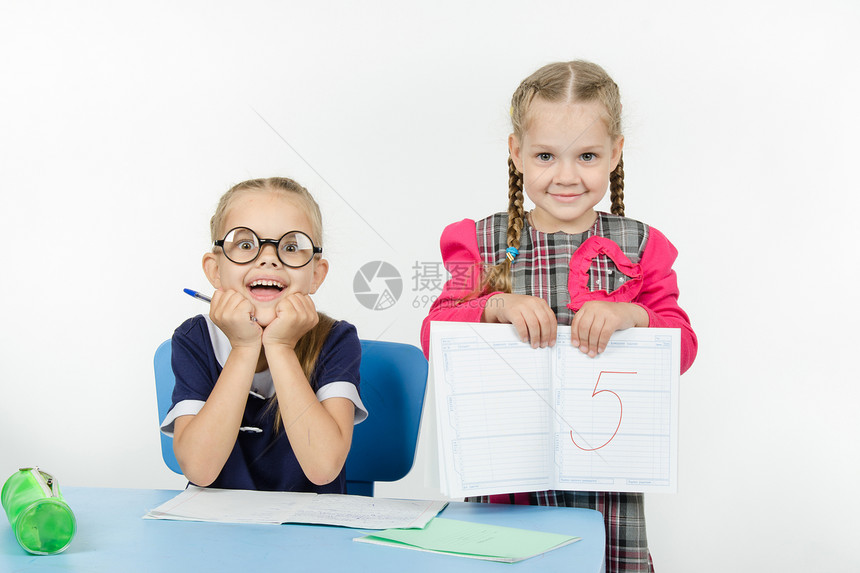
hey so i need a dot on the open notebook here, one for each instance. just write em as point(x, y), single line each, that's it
point(512, 418)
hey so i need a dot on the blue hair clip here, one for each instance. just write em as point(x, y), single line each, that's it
point(511, 253)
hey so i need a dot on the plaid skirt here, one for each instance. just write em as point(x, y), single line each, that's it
point(623, 518)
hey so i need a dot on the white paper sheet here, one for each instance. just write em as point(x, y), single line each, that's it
point(276, 507)
point(512, 418)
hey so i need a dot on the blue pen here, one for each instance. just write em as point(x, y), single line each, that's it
point(196, 294)
point(204, 298)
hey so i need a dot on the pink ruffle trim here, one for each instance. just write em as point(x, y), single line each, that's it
point(580, 263)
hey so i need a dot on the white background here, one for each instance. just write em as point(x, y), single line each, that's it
point(120, 126)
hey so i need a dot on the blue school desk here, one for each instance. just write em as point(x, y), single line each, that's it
point(112, 537)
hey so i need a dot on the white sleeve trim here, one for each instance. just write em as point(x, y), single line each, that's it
point(183, 408)
point(344, 390)
point(220, 343)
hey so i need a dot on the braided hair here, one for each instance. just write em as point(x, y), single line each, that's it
point(498, 277)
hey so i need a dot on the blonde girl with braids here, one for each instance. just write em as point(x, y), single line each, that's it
point(563, 262)
point(266, 386)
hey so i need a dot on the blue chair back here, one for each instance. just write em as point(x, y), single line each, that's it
point(164, 382)
point(393, 381)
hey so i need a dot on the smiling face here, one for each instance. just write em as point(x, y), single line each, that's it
point(266, 280)
point(566, 156)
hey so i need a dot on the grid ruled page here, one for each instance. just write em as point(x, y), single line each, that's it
point(616, 428)
point(492, 393)
point(511, 418)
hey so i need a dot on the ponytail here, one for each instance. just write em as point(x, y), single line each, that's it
point(307, 351)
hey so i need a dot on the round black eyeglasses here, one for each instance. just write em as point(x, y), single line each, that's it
point(242, 246)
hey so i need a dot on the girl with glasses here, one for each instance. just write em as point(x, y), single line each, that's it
point(266, 387)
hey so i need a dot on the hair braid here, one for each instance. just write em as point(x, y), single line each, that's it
point(498, 277)
point(616, 188)
point(515, 205)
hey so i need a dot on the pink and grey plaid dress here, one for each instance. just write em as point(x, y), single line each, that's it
point(617, 259)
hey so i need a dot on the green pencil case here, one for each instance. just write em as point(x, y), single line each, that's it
point(42, 520)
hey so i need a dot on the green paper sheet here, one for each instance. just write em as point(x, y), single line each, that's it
point(475, 540)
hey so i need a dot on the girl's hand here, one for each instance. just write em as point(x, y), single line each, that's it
point(231, 312)
point(295, 315)
point(533, 318)
point(595, 322)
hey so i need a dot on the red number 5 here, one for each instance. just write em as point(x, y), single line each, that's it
point(620, 411)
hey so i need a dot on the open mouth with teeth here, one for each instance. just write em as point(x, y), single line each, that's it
point(266, 289)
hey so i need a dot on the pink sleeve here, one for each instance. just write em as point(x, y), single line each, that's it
point(460, 255)
point(659, 294)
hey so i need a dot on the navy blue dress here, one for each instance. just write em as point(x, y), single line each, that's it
point(262, 459)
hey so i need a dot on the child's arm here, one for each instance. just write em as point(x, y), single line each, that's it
point(659, 296)
point(203, 442)
point(656, 305)
point(320, 433)
point(460, 256)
